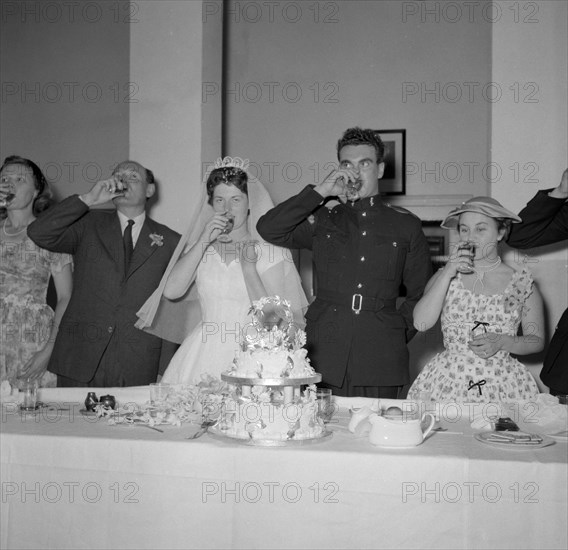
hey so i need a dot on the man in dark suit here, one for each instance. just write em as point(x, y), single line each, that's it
point(363, 251)
point(119, 259)
point(545, 221)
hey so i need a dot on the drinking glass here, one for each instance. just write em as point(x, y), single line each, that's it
point(29, 392)
point(470, 247)
point(224, 237)
point(159, 393)
point(7, 192)
point(352, 189)
point(325, 405)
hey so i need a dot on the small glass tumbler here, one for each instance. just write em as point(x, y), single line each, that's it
point(325, 404)
point(224, 237)
point(159, 393)
point(352, 189)
point(7, 193)
point(29, 390)
point(470, 247)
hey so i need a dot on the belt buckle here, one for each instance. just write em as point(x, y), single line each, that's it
point(356, 303)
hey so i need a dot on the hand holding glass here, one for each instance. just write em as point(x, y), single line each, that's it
point(469, 247)
point(352, 189)
point(7, 192)
point(224, 237)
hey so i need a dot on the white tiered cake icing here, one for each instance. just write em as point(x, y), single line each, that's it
point(268, 371)
point(272, 352)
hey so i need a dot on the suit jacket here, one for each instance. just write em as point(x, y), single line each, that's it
point(545, 221)
point(100, 317)
point(368, 248)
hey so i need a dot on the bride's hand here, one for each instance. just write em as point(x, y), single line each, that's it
point(213, 228)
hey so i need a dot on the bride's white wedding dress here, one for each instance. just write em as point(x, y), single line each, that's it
point(210, 347)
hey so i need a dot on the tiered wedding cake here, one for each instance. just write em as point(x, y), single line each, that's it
point(268, 404)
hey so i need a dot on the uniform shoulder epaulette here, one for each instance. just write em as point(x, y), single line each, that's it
point(399, 209)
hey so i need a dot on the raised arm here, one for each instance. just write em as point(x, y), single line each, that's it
point(287, 224)
point(58, 230)
point(545, 218)
point(183, 273)
point(429, 307)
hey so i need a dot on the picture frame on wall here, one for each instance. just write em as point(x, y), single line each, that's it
point(393, 181)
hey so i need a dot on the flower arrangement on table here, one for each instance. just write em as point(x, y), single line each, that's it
point(183, 404)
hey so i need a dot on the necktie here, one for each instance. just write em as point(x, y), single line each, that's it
point(127, 242)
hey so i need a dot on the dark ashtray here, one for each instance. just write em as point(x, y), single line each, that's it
point(506, 424)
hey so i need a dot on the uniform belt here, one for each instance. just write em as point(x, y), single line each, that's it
point(357, 302)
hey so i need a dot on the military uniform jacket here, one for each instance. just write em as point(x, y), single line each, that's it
point(101, 314)
point(545, 221)
point(362, 253)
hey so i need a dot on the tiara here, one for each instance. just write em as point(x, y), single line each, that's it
point(231, 162)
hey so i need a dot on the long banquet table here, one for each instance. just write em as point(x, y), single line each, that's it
point(73, 481)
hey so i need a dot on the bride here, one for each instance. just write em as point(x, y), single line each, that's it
point(216, 273)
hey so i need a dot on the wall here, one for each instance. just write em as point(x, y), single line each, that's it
point(529, 130)
point(173, 49)
point(86, 85)
point(65, 88)
point(300, 73)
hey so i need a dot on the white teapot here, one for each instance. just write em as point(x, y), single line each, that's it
point(398, 431)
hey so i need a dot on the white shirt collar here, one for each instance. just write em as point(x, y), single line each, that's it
point(136, 228)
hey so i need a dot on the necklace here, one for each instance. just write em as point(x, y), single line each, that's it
point(13, 234)
point(480, 273)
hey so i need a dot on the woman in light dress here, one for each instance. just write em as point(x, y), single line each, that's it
point(482, 301)
point(29, 325)
point(206, 293)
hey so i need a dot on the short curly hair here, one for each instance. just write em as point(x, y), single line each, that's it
point(44, 197)
point(229, 176)
point(358, 136)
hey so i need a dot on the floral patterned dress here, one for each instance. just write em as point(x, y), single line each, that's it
point(26, 318)
point(457, 374)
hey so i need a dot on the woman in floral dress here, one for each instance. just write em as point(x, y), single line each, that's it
point(482, 302)
point(29, 325)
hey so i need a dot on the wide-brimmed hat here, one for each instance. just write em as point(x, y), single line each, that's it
point(482, 205)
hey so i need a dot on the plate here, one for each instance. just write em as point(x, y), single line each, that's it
point(484, 438)
point(559, 436)
point(216, 433)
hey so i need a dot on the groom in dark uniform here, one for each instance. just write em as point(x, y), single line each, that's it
point(363, 251)
point(119, 259)
point(545, 221)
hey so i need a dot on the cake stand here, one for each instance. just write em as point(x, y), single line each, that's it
point(291, 389)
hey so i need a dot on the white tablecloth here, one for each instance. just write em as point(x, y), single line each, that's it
point(72, 481)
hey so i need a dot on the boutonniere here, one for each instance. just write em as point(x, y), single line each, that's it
point(156, 239)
